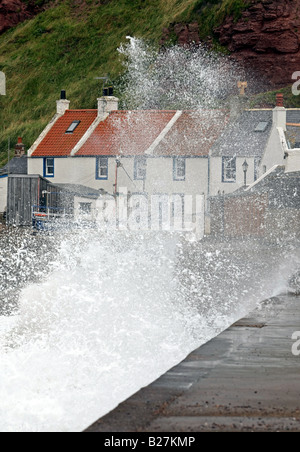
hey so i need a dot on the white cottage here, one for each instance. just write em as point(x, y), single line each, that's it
point(248, 148)
point(172, 154)
point(147, 153)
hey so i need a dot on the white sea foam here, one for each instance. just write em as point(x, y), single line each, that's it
point(114, 313)
point(106, 321)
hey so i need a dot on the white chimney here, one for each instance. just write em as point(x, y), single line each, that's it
point(279, 113)
point(62, 104)
point(106, 104)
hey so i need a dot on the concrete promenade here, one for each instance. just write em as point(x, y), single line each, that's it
point(246, 379)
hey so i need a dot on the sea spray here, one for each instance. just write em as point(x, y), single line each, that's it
point(98, 315)
point(176, 77)
point(116, 311)
point(105, 322)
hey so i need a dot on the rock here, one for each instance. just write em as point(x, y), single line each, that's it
point(265, 38)
point(12, 12)
point(187, 34)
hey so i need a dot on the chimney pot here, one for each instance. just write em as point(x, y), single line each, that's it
point(279, 100)
point(62, 104)
point(19, 148)
point(279, 113)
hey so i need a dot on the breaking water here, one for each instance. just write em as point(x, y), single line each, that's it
point(87, 318)
point(99, 315)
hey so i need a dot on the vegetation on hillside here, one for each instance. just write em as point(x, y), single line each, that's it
point(74, 41)
point(212, 13)
point(66, 47)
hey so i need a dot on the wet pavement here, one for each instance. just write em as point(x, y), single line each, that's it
point(245, 379)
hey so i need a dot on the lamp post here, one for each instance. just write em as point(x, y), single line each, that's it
point(245, 169)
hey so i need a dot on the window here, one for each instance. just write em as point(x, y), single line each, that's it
point(179, 168)
point(229, 169)
point(140, 168)
point(49, 167)
point(261, 126)
point(73, 126)
point(85, 207)
point(102, 168)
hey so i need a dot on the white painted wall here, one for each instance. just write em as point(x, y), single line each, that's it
point(159, 180)
point(292, 162)
point(3, 193)
point(82, 170)
point(274, 153)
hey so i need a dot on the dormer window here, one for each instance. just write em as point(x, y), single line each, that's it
point(261, 126)
point(73, 126)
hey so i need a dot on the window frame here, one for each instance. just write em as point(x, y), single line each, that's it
point(226, 160)
point(137, 161)
point(261, 126)
point(46, 166)
point(175, 169)
point(99, 166)
point(69, 131)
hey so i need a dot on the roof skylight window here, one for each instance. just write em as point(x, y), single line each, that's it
point(261, 126)
point(73, 126)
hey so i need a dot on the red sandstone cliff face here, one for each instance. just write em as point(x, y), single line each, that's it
point(265, 39)
point(12, 12)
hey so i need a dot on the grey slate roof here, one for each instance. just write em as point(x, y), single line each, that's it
point(17, 165)
point(240, 139)
point(293, 116)
point(283, 188)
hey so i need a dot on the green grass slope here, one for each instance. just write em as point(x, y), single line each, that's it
point(71, 43)
point(74, 41)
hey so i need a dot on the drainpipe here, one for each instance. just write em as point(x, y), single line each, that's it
point(118, 164)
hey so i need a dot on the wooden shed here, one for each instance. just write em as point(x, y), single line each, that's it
point(25, 192)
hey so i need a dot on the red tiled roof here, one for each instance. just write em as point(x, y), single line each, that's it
point(59, 143)
point(126, 132)
point(193, 133)
point(133, 132)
